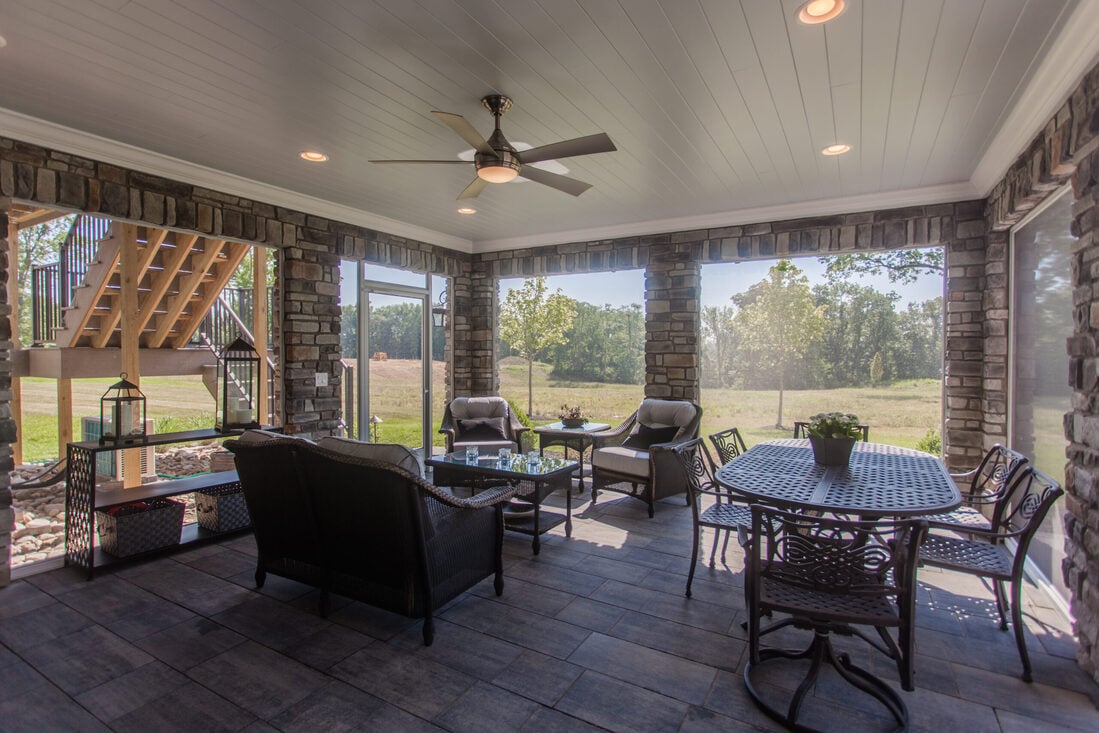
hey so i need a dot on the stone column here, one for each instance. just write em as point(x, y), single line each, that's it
point(7, 423)
point(473, 307)
point(673, 302)
point(1081, 563)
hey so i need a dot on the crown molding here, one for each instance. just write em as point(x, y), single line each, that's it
point(66, 139)
point(929, 195)
point(1073, 52)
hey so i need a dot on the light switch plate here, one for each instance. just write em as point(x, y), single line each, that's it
point(322, 379)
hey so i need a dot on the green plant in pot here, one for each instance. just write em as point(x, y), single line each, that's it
point(572, 416)
point(833, 436)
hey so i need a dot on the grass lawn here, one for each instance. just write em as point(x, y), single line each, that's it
point(898, 413)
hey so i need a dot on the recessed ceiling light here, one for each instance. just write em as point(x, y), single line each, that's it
point(3, 41)
point(837, 149)
point(467, 210)
point(313, 156)
point(820, 11)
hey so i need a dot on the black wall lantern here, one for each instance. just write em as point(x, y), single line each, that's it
point(122, 413)
point(238, 388)
point(438, 311)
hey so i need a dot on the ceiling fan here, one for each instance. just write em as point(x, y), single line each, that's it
point(497, 161)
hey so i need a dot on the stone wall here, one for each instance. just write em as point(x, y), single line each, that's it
point(7, 423)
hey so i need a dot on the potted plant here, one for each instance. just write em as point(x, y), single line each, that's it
point(572, 416)
point(833, 436)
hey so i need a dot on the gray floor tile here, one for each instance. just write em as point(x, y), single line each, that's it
point(85, 659)
point(465, 650)
point(620, 706)
point(341, 707)
point(189, 643)
point(546, 720)
point(40, 625)
point(269, 622)
point(654, 670)
point(419, 686)
point(255, 678)
point(539, 677)
point(131, 691)
point(17, 677)
point(327, 646)
point(20, 597)
point(485, 707)
point(46, 708)
point(192, 588)
point(524, 628)
point(185, 709)
point(591, 614)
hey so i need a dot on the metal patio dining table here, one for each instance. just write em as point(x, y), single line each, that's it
point(879, 481)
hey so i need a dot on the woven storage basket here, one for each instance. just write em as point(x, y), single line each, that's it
point(222, 509)
point(158, 526)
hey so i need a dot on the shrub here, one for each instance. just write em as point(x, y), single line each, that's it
point(931, 442)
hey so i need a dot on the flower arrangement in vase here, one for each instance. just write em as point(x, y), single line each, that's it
point(572, 416)
point(833, 436)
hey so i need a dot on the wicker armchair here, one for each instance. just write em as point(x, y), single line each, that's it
point(831, 576)
point(729, 511)
point(728, 444)
point(485, 422)
point(801, 430)
point(984, 490)
point(986, 554)
point(366, 529)
point(637, 453)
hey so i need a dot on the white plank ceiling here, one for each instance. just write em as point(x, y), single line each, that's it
point(716, 106)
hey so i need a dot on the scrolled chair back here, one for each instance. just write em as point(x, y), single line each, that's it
point(995, 475)
point(1032, 496)
point(697, 465)
point(729, 444)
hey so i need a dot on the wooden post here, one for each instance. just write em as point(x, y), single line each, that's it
point(13, 301)
point(130, 273)
point(64, 415)
point(259, 325)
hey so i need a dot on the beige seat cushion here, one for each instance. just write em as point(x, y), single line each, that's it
point(398, 455)
point(620, 459)
point(487, 447)
point(665, 413)
point(259, 436)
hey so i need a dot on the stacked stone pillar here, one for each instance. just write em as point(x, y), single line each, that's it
point(1081, 563)
point(7, 422)
point(673, 302)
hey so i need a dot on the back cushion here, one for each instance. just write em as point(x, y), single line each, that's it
point(646, 436)
point(259, 436)
point(483, 428)
point(466, 408)
point(665, 412)
point(398, 455)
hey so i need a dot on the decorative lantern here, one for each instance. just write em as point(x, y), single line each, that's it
point(238, 388)
point(122, 413)
point(438, 311)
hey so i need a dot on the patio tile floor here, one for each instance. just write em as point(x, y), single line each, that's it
point(594, 633)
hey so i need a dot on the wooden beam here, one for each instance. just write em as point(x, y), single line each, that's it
point(64, 415)
point(130, 259)
point(259, 325)
point(108, 322)
point(184, 243)
point(200, 267)
point(222, 272)
point(35, 218)
point(13, 301)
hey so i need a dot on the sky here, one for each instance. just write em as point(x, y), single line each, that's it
point(719, 282)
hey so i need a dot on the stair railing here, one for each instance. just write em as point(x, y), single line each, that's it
point(53, 284)
point(226, 321)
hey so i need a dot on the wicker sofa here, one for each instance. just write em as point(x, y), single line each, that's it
point(366, 528)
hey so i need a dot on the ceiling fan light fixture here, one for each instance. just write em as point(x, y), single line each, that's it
point(837, 149)
point(820, 11)
point(497, 173)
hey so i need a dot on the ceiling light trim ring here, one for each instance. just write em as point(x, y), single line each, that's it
point(812, 12)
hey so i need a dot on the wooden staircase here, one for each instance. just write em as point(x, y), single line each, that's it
point(179, 277)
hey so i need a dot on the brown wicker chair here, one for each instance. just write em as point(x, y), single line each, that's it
point(637, 453)
point(366, 529)
point(984, 490)
point(485, 422)
point(729, 512)
point(831, 576)
point(986, 555)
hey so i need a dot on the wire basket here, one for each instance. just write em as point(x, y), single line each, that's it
point(139, 527)
point(222, 509)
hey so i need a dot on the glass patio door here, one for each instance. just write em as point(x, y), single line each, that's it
point(395, 374)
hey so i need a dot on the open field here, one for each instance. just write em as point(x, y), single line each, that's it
point(900, 413)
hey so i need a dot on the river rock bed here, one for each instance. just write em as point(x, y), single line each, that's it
point(40, 513)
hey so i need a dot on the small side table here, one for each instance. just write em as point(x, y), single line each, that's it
point(578, 439)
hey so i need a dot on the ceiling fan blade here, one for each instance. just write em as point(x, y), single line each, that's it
point(553, 180)
point(473, 190)
point(465, 131)
point(598, 143)
point(447, 162)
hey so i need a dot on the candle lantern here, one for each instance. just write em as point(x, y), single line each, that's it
point(122, 413)
point(238, 388)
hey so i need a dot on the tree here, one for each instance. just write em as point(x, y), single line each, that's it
point(531, 322)
point(38, 245)
point(877, 369)
point(719, 345)
point(777, 320)
point(900, 265)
